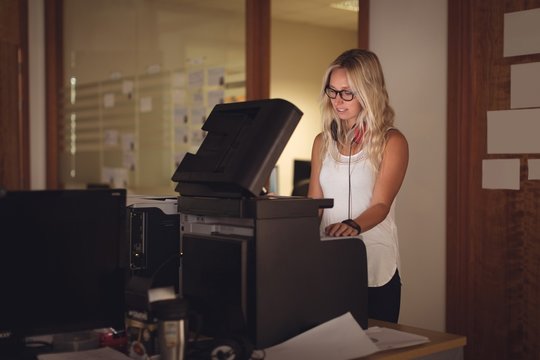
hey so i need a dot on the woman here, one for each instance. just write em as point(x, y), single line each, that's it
point(360, 160)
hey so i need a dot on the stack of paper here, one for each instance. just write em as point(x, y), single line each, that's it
point(341, 339)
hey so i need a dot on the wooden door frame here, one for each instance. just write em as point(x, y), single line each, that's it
point(459, 112)
point(14, 117)
point(363, 24)
point(258, 20)
point(54, 70)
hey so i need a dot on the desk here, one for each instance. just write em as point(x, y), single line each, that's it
point(439, 342)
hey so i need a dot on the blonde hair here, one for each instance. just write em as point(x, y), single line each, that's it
point(366, 80)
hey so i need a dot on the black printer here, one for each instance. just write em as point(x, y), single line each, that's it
point(254, 264)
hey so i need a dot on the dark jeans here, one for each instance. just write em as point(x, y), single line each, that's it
point(384, 301)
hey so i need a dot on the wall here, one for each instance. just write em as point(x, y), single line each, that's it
point(36, 49)
point(410, 39)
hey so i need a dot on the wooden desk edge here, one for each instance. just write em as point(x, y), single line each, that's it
point(439, 341)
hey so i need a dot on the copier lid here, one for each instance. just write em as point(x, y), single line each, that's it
point(243, 143)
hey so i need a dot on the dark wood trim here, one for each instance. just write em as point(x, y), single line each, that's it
point(363, 24)
point(257, 49)
point(459, 113)
point(14, 109)
point(24, 110)
point(53, 80)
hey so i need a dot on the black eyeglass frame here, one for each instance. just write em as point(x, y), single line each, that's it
point(329, 92)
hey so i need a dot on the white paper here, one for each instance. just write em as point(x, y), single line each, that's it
point(129, 160)
point(534, 169)
point(146, 104)
point(196, 78)
point(198, 115)
point(500, 174)
point(338, 339)
point(180, 115)
point(525, 85)
point(161, 293)
point(325, 237)
point(216, 76)
point(197, 98)
point(181, 135)
point(153, 69)
point(108, 100)
point(522, 32)
point(115, 177)
point(127, 87)
point(330, 238)
point(215, 97)
point(110, 137)
point(105, 353)
point(386, 339)
point(128, 142)
point(178, 79)
point(513, 131)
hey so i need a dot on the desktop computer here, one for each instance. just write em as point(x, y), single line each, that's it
point(154, 260)
point(153, 233)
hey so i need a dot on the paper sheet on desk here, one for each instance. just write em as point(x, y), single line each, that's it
point(325, 237)
point(105, 353)
point(386, 339)
point(338, 339)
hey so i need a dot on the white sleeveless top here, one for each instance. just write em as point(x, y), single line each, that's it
point(381, 241)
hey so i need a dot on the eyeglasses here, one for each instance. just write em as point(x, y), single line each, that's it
point(346, 95)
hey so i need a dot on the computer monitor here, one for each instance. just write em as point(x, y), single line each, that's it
point(301, 175)
point(301, 171)
point(243, 143)
point(63, 262)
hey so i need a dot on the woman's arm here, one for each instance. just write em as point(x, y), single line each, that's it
point(315, 190)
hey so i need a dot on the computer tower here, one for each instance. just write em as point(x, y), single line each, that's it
point(154, 232)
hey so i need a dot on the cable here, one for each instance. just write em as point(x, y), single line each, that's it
point(349, 208)
point(161, 266)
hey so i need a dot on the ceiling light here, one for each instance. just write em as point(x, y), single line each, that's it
point(351, 5)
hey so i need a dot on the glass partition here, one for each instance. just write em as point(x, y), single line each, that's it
point(140, 78)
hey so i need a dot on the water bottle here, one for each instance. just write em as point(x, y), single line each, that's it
point(172, 316)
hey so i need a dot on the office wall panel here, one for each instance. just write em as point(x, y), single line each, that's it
point(493, 234)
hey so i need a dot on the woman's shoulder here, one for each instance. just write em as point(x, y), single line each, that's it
point(318, 144)
point(396, 140)
point(319, 139)
point(395, 135)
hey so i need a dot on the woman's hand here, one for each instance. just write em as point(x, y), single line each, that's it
point(340, 229)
